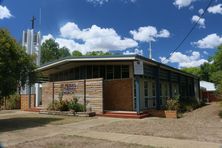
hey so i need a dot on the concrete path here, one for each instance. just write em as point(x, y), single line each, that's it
point(83, 129)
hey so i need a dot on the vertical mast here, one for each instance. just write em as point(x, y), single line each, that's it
point(150, 51)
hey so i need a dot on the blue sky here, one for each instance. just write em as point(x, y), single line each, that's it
point(122, 26)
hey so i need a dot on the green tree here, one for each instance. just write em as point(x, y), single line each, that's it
point(49, 51)
point(64, 52)
point(98, 53)
point(16, 66)
point(76, 53)
point(193, 70)
point(205, 71)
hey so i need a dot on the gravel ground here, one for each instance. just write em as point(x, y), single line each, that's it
point(202, 124)
point(73, 142)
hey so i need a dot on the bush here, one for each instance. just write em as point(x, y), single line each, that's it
point(188, 105)
point(74, 105)
point(220, 114)
point(59, 105)
point(172, 104)
point(13, 102)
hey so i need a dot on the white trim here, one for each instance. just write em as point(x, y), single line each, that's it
point(86, 59)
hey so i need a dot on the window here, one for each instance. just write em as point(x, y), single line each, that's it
point(125, 71)
point(109, 73)
point(153, 89)
point(76, 71)
point(89, 72)
point(103, 72)
point(146, 93)
point(95, 71)
point(82, 72)
point(117, 72)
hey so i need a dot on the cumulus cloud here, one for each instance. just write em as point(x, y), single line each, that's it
point(94, 38)
point(136, 51)
point(215, 9)
point(193, 60)
point(46, 37)
point(149, 33)
point(210, 41)
point(199, 21)
point(201, 11)
point(182, 3)
point(4, 12)
point(101, 2)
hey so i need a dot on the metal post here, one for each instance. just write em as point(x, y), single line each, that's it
point(170, 84)
point(137, 94)
point(158, 87)
point(30, 89)
point(53, 94)
point(85, 95)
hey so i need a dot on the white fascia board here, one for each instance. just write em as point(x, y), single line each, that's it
point(86, 59)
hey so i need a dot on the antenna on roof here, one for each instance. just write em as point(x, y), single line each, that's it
point(150, 51)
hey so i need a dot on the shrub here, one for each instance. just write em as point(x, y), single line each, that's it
point(74, 105)
point(13, 102)
point(220, 113)
point(172, 104)
point(59, 105)
point(188, 105)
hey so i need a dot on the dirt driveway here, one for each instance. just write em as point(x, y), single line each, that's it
point(202, 124)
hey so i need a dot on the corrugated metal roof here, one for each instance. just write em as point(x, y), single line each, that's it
point(208, 86)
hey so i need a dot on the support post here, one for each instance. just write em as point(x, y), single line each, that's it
point(53, 86)
point(158, 87)
point(170, 84)
point(138, 94)
point(30, 100)
point(85, 95)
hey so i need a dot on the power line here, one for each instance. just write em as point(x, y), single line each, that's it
point(191, 30)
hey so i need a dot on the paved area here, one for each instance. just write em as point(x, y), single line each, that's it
point(89, 129)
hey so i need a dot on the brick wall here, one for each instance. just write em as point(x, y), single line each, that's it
point(25, 102)
point(75, 88)
point(118, 95)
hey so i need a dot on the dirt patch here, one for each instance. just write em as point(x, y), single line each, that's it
point(12, 122)
point(73, 141)
point(202, 124)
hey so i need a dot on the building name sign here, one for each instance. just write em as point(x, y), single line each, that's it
point(69, 88)
point(138, 68)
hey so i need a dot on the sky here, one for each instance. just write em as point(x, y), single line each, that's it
point(122, 26)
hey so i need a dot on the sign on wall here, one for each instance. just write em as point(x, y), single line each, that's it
point(138, 68)
point(69, 88)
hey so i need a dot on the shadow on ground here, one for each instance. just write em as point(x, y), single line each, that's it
point(12, 124)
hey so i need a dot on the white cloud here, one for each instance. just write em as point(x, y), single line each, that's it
point(215, 9)
point(193, 60)
point(98, 2)
point(149, 33)
point(136, 51)
point(92, 39)
point(182, 3)
point(4, 12)
point(198, 20)
point(101, 2)
point(210, 41)
point(205, 52)
point(46, 37)
point(201, 11)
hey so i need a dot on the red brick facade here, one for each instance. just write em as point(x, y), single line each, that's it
point(25, 102)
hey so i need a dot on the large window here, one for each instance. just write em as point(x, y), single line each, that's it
point(93, 71)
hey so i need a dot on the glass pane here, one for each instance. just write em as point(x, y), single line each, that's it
point(102, 72)
point(125, 71)
point(109, 72)
point(117, 72)
point(89, 72)
point(95, 71)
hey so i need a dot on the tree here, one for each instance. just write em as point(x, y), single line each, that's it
point(76, 53)
point(49, 51)
point(16, 66)
point(97, 53)
point(64, 52)
point(205, 71)
point(193, 70)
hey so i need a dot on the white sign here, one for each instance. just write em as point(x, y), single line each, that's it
point(138, 67)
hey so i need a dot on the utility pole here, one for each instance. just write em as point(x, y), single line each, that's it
point(150, 51)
